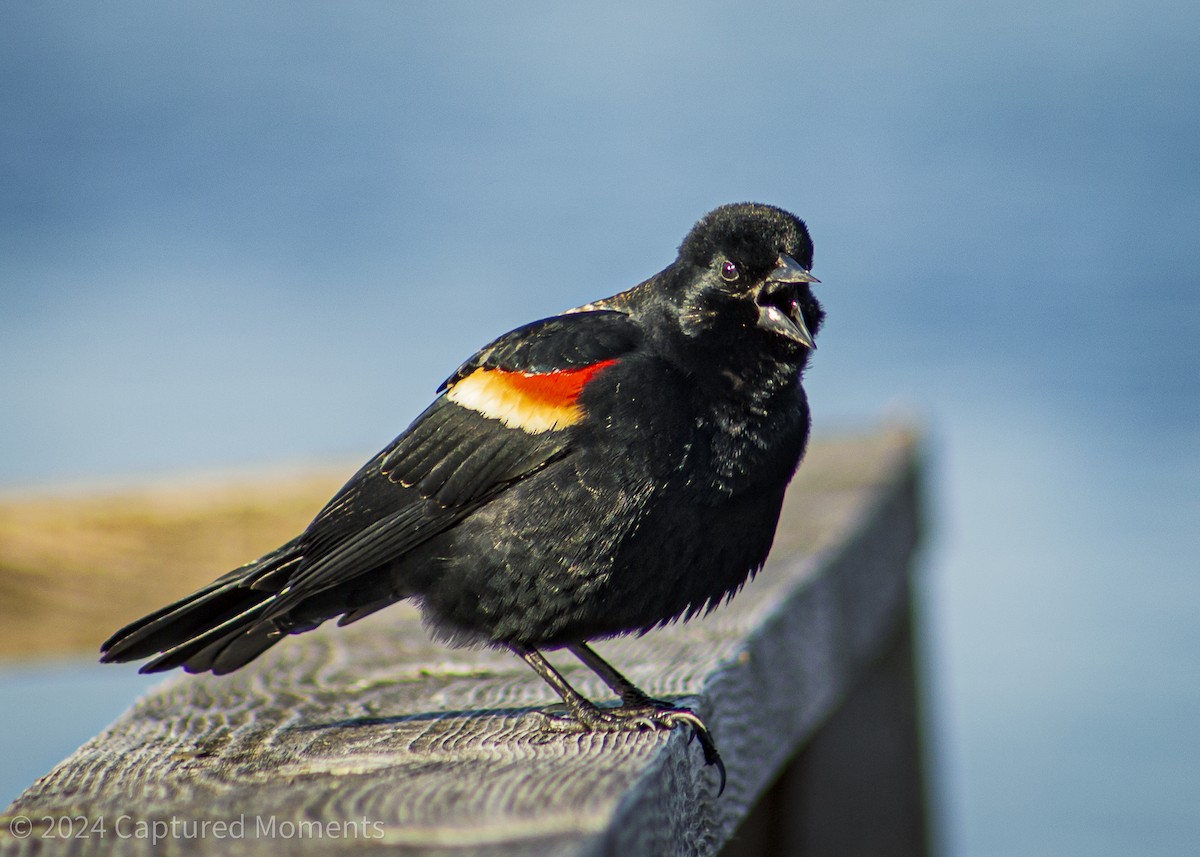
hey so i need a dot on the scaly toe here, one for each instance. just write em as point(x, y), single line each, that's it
point(654, 715)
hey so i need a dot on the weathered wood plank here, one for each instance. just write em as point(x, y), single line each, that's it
point(857, 787)
point(399, 744)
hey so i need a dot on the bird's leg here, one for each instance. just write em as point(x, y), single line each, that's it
point(638, 705)
point(637, 711)
point(631, 695)
point(582, 709)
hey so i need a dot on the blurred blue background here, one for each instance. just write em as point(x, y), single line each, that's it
point(243, 234)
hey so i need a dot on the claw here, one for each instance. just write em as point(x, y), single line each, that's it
point(656, 714)
point(700, 732)
point(711, 756)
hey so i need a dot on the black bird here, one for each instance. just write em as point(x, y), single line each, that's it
point(599, 472)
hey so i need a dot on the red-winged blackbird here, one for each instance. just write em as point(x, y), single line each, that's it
point(599, 472)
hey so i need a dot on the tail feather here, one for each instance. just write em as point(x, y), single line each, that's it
point(193, 631)
point(201, 652)
point(176, 623)
point(240, 649)
point(234, 643)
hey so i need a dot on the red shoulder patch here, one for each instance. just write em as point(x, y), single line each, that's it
point(533, 402)
point(555, 389)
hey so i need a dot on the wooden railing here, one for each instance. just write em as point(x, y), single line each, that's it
point(375, 739)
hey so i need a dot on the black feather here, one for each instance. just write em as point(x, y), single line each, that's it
point(569, 341)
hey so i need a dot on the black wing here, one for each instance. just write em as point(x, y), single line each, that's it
point(454, 458)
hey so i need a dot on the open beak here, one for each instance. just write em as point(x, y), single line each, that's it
point(778, 311)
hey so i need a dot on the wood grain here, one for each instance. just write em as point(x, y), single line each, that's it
point(434, 749)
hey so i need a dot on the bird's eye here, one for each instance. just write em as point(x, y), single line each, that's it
point(729, 272)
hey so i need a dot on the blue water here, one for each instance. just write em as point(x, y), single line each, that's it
point(230, 237)
point(50, 707)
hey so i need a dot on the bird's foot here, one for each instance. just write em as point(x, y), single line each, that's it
point(643, 714)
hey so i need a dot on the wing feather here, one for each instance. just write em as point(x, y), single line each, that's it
point(450, 460)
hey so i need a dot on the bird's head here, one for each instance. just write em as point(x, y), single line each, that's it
point(748, 265)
